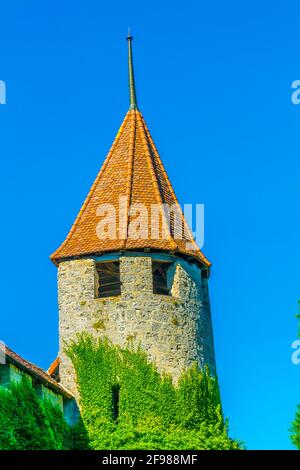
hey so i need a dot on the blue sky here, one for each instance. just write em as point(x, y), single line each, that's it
point(214, 85)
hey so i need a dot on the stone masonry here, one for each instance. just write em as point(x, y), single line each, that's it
point(173, 330)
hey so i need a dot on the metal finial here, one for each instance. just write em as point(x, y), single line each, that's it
point(132, 92)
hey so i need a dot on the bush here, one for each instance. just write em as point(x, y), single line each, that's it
point(28, 423)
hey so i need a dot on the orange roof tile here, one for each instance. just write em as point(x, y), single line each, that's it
point(53, 366)
point(132, 169)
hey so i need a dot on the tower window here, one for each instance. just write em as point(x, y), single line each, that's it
point(160, 277)
point(109, 279)
point(115, 401)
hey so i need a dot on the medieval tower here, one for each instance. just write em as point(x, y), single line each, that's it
point(126, 270)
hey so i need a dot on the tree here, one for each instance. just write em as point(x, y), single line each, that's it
point(295, 428)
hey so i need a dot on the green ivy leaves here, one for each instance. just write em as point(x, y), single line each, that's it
point(153, 412)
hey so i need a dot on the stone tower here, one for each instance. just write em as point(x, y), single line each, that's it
point(129, 268)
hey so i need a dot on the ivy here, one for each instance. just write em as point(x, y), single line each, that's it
point(153, 413)
point(28, 423)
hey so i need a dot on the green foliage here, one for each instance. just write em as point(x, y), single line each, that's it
point(27, 423)
point(153, 413)
point(295, 429)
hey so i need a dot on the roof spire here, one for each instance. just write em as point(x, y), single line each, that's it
point(132, 93)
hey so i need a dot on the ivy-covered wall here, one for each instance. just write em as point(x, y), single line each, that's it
point(174, 330)
point(127, 404)
point(28, 423)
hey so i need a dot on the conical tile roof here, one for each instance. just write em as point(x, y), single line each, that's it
point(132, 174)
point(127, 206)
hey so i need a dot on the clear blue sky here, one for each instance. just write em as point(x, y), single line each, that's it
point(214, 84)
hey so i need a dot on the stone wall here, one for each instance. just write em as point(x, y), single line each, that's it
point(173, 330)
